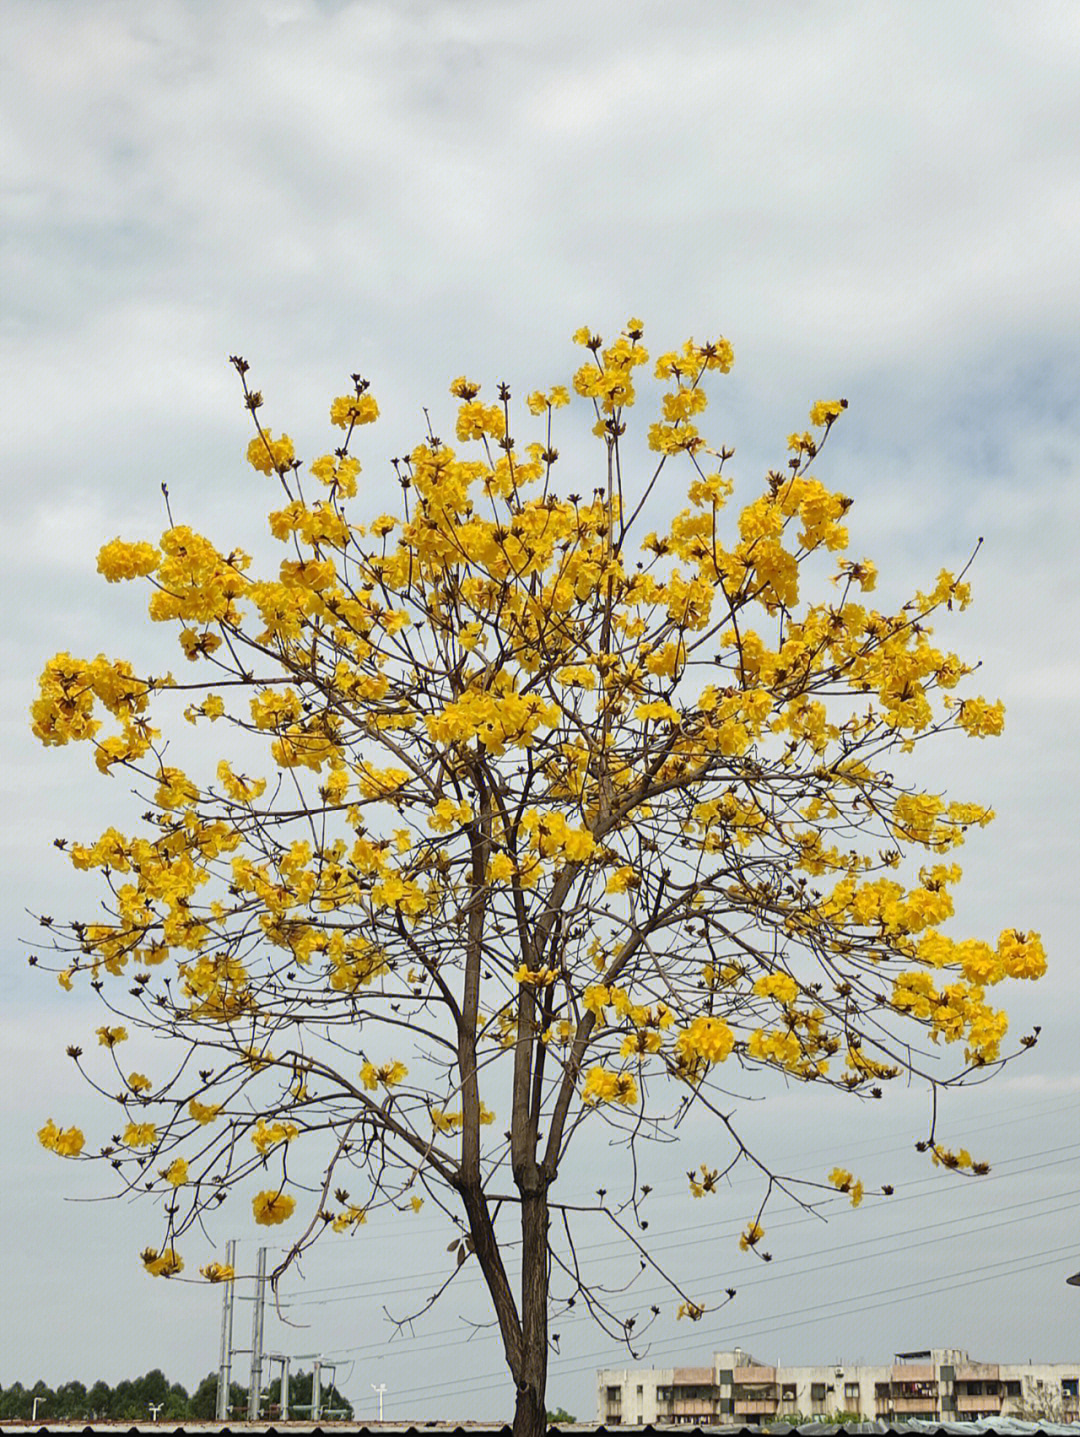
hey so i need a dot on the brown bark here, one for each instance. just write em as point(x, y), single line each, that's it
point(530, 1413)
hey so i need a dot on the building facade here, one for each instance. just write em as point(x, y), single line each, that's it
point(942, 1384)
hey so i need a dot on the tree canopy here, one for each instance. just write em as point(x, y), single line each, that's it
point(533, 807)
point(131, 1399)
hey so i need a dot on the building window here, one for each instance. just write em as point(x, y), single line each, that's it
point(817, 1392)
point(788, 1392)
point(851, 1392)
point(1012, 1389)
point(1070, 1387)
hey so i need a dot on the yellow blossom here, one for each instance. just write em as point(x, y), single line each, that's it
point(271, 1207)
point(825, 411)
point(751, 1236)
point(706, 1037)
point(602, 1086)
point(176, 1174)
point(66, 1142)
point(845, 1182)
point(166, 1263)
point(267, 454)
point(501, 868)
point(352, 1218)
point(117, 561)
point(352, 409)
point(266, 1136)
point(203, 1112)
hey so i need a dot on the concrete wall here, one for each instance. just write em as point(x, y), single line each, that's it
point(943, 1383)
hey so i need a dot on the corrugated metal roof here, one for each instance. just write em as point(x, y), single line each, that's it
point(987, 1427)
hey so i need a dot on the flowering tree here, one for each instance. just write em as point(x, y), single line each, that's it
point(524, 822)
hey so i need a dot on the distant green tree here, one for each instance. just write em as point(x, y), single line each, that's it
point(153, 1388)
point(99, 1401)
point(14, 1401)
point(126, 1401)
point(70, 1402)
point(560, 1417)
point(177, 1403)
point(203, 1401)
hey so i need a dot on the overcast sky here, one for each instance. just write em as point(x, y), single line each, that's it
point(876, 200)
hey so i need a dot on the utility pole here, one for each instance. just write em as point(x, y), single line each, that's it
point(285, 1362)
point(225, 1364)
point(316, 1389)
point(378, 1391)
point(255, 1391)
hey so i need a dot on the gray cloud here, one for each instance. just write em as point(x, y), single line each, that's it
point(879, 201)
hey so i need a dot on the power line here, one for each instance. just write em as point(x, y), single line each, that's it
point(783, 1274)
point(710, 1231)
point(489, 1380)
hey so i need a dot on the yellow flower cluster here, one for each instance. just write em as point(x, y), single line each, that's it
point(268, 1135)
point(65, 1142)
point(780, 986)
point(535, 977)
point(350, 409)
point(176, 1174)
point(118, 561)
point(65, 709)
point(706, 1038)
point(166, 1263)
point(751, 1236)
point(269, 455)
point(140, 1135)
point(604, 1086)
point(552, 836)
point(448, 815)
point(497, 716)
point(350, 1219)
point(388, 1075)
point(203, 1113)
point(844, 1182)
point(445, 1122)
point(271, 1208)
point(703, 1180)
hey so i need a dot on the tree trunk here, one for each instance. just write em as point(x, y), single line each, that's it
point(530, 1413)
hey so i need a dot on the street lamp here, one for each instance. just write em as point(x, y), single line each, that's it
point(379, 1395)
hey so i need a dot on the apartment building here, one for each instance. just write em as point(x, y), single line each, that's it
point(942, 1384)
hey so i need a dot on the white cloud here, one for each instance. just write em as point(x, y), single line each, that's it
point(877, 201)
